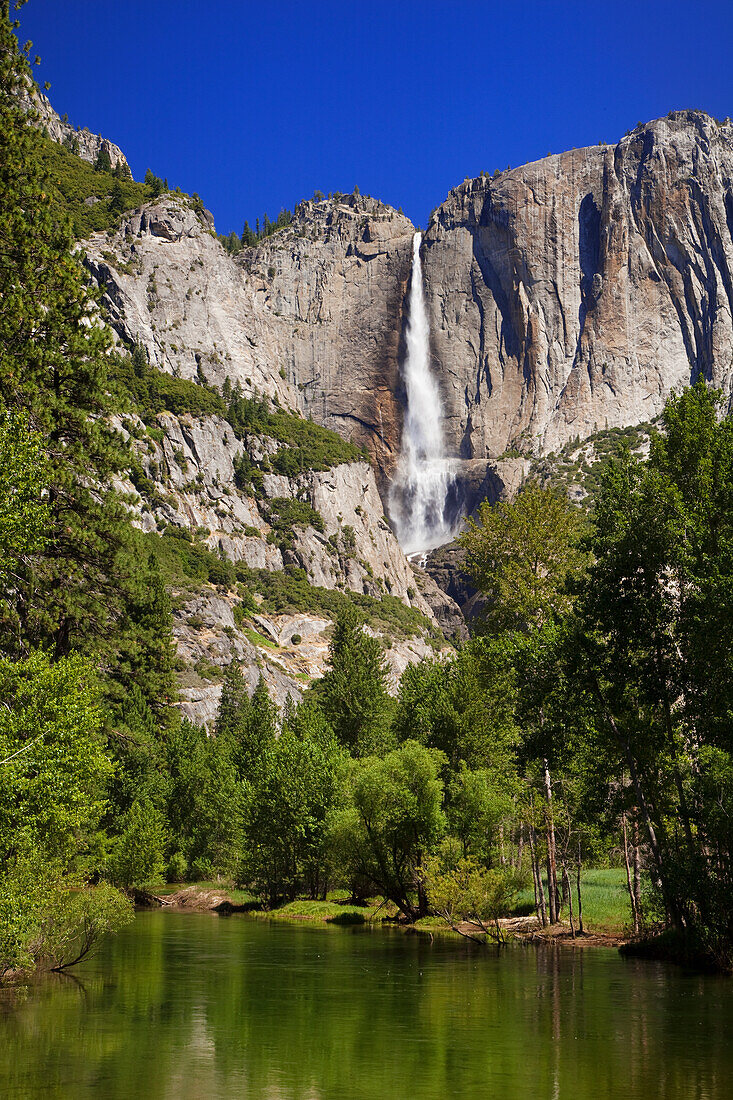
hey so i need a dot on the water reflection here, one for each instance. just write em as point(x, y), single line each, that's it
point(189, 1005)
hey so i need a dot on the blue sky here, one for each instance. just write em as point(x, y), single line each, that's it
point(256, 105)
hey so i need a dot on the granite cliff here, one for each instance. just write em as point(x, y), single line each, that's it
point(565, 297)
point(575, 293)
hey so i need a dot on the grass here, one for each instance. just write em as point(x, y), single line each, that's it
point(606, 909)
point(258, 639)
point(606, 906)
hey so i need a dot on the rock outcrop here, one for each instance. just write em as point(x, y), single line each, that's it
point(575, 293)
point(79, 140)
point(568, 296)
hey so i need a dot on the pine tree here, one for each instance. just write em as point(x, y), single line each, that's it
point(353, 693)
point(54, 368)
point(234, 703)
point(116, 199)
point(103, 163)
point(89, 589)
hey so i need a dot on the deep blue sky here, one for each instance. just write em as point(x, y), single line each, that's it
point(256, 105)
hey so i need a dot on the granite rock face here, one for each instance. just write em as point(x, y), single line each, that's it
point(169, 285)
point(332, 286)
point(312, 315)
point(575, 293)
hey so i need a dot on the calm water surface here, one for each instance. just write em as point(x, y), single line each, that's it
point(194, 1006)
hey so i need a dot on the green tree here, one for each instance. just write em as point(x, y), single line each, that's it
point(522, 556)
point(656, 617)
point(103, 163)
point(54, 768)
point(154, 184)
point(291, 794)
point(24, 513)
point(204, 802)
point(234, 704)
point(54, 370)
point(137, 861)
point(470, 898)
point(392, 821)
point(116, 199)
point(353, 693)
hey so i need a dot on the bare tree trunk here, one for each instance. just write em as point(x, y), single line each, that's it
point(580, 897)
point(634, 914)
point(671, 903)
point(552, 890)
point(637, 867)
point(566, 889)
point(520, 846)
point(539, 890)
point(502, 857)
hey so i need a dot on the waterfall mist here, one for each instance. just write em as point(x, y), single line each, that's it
point(420, 492)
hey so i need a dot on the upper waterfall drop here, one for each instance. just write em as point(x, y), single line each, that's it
point(421, 487)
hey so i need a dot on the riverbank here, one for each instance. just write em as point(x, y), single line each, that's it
point(224, 900)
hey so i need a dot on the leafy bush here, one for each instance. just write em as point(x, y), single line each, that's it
point(75, 180)
point(307, 446)
point(150, 391)
point(286, 513)
point(289, 592)
point(178, 558)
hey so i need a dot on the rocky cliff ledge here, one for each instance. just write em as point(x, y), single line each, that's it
point(575, 293)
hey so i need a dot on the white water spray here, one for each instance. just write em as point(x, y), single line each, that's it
point(424, 476)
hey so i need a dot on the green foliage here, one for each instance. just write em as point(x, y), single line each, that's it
point(137, 861)
point(656, 620)
point(77, 921)
point(479, 803)
point(180, 557)
point(285, 513)
point(54, 768)
point(73, 180)
point(293, 789)
point(464, 707)
point(523, 555)
point(306, 445)
point(204, 800)
point(289, 592)
point(148, 391)
point(353, 691)
point(247, 725)
point(234, 244)
point(581, 466)
point(470, 898)
point(392, 821)
point(24, 513)
point(50, 920)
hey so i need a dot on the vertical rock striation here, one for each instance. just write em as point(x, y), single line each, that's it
point(575, 293)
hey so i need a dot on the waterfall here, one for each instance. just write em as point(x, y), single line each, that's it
point(423, 480)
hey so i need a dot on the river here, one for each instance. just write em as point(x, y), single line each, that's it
point(192, 1006)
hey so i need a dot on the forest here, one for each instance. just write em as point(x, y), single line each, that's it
point(587, 719)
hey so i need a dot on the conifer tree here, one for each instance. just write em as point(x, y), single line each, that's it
point(353, 693)
point(116, 199)
point(87, 590)
point(234, 704)
point(103, 163)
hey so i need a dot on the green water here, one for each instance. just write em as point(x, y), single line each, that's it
point(193, 1005)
